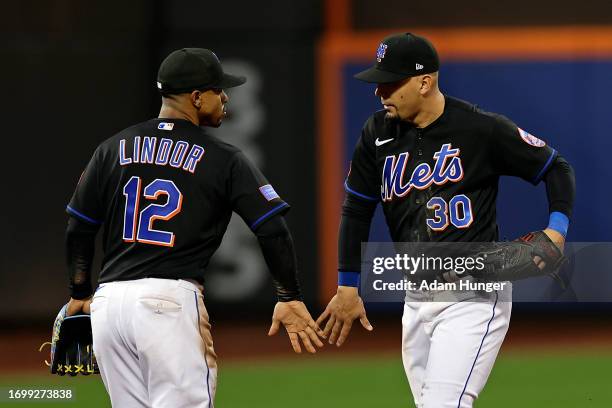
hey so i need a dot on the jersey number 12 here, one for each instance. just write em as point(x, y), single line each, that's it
point(139, 227)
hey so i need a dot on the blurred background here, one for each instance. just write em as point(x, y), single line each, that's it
point(77, 72)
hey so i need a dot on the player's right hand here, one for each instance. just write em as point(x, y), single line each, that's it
point(299, 325)
point(342, 310)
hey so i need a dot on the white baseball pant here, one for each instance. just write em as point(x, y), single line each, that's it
point(449, 348)
point(152, 341)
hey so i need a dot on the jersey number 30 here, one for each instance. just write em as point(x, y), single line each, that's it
point(458, 211)
point(140, 227)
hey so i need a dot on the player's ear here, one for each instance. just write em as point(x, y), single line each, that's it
point(426, 83)
point(431, 81)
point(196, 99)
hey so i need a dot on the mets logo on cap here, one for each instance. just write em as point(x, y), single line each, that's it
point(380, 52)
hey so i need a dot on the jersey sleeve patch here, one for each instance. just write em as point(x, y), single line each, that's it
point(531, 139)
point(268, 192)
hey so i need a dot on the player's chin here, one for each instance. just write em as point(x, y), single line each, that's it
point(391, 115)
point(220, 117)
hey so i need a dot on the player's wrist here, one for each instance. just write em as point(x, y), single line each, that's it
point(347, 291)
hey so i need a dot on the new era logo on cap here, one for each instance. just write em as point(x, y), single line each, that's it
point(418, 67)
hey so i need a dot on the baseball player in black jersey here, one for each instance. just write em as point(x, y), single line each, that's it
point(434, 162)
point(165, 190)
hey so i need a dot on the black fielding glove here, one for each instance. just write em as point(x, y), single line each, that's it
point(511, 261)
point(72, 345)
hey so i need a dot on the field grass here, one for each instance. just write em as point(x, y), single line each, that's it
point(559, 380)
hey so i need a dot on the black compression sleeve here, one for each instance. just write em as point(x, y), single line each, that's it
point(277, 247)
point(560, 187)
point(80, 248)
point(354, 229)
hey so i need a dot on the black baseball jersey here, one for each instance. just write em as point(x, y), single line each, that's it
point(165, 191)
point(439, 183)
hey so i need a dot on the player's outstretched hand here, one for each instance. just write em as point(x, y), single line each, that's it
point(299, 325)
point(342, 310)
point(78, 306)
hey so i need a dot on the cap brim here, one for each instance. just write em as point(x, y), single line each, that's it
point(230, 81)
point(376, 76)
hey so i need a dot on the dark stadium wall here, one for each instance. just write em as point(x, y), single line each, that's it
point(73, 74)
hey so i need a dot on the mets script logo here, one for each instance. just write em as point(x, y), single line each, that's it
point(447, 167)
point(380, 53)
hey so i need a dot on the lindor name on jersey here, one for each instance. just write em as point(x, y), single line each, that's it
point(166, 152)
point(447, 167)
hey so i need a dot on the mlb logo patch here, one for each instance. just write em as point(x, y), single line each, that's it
point(268, 192)
point(531, 139)
point(380, 52)
point(165, 126)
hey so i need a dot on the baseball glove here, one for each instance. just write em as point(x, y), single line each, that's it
point(511, 261)
point(72, 345)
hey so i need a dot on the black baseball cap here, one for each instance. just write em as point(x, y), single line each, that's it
point(401, 56)
point(189, 69)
